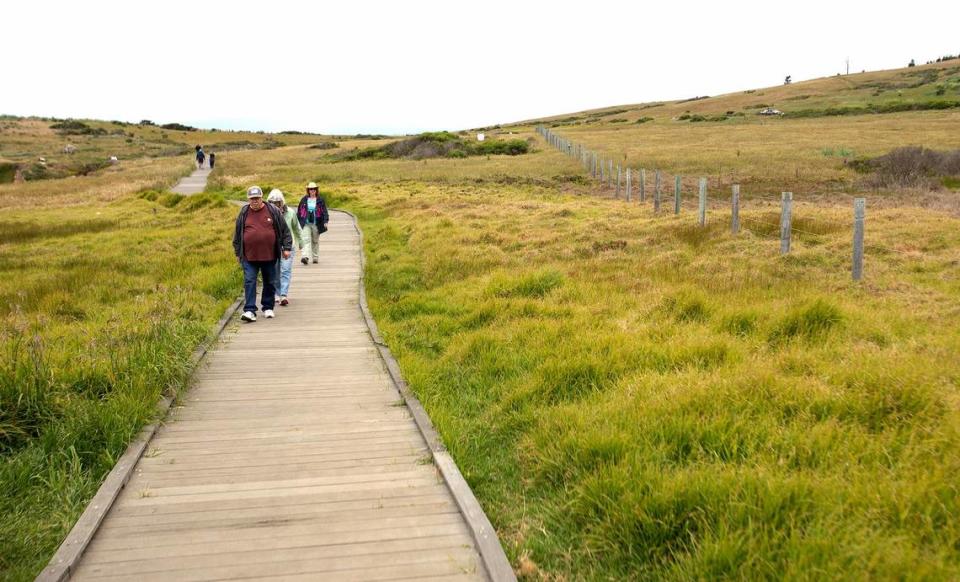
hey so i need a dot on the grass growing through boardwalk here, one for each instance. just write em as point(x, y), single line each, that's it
point(101, 306)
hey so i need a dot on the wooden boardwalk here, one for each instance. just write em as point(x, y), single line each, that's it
point(194, 183)
point(291, 457)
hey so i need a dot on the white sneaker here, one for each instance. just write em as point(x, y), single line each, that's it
point(268, 313)
point(251, 316)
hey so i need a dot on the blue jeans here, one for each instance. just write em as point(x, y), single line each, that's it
point(286, 273)
point(268, 270)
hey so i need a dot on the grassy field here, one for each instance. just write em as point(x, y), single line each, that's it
point(767, 155)
point(101, 305)
point(24, 140)
point(631, 396)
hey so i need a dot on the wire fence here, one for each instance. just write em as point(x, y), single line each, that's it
point(625, 181)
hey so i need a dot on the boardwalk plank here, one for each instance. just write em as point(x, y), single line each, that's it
point(289, 458)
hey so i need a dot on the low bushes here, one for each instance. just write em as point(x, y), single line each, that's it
point(440, 144)
point(74, 127)
point(8, 170)
point(911, 166)
point(896, 107)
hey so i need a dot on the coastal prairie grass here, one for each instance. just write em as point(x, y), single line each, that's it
point(101, 306)
point(632, 396)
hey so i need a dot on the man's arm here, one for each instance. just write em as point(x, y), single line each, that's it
point(237, 233)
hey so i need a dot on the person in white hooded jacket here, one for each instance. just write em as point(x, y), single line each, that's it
point(286, 265)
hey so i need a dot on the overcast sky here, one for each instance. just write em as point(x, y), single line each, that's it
point(393, 67)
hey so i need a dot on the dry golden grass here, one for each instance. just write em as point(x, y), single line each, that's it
point(768, 155)
point(102, 187)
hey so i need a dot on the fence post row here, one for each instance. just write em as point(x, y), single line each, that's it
point(702, 211)
point(603, 171)
point(786, 208)
point(859, 213)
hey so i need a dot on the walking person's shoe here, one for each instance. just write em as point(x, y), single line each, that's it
point(249, 316)
point(315, 261)
point(268, 313)
point(283, 301)
point(304, 260)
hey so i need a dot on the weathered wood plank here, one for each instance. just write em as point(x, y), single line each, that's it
point(291, 461)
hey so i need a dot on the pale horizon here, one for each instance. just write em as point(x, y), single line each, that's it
point(381, 68)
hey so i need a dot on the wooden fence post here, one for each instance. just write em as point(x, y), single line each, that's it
point(657, 188)
point(859, 213)
point(676, 195)
point(609, 172)
point(702, 212)
point(619, 177)
point(643, 185)
point(735, 210)
point(629, 185)
point(786, 209)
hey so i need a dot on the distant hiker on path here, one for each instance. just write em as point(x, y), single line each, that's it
point(200, 157)
point(260, 239)
point(290, 218)
point(313, 217)
point(213, 159)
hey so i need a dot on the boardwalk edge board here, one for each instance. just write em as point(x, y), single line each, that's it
point(488, 544)
point(68, 555)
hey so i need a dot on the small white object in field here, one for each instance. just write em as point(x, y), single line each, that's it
point(113, 159)
point(481, 137)
point(69, 148)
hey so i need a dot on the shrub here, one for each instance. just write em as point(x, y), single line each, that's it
point(178, 127)
point(8, 170)
point(912, 166)
point(440, 144)
point(513, 147)
point(325, 145)
point(644, 120)
point(896, 107)
point(74, 127)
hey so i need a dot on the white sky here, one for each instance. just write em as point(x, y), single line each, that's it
point(365, 66)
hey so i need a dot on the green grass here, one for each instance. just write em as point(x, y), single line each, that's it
point(630, 396)
point(629, 403)
point(102, 307)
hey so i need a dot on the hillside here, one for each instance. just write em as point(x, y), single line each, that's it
point(826, 124)
point(25, 140)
